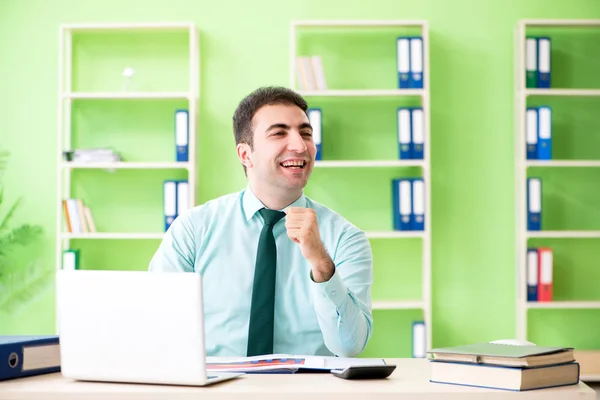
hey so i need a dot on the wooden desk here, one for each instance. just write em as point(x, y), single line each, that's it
point(409, 381)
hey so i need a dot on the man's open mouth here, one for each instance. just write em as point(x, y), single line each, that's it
point(297, 164)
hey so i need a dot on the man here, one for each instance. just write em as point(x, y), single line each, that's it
point(282, 273)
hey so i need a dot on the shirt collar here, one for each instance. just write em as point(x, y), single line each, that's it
point(251, 203)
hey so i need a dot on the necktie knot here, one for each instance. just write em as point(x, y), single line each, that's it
point(271, 217)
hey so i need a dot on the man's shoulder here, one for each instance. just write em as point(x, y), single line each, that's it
point(218, 204)
point(225, 200)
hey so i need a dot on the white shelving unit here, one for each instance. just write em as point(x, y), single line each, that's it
point(395, 234)
point(362, 93)
point(565, 304)
point(424, 303)
point(66, 97)
point(127, 165)
point(369, 163)
point(131, 95)
point(398, 305)
point(522, 166)
point(564, 163)
point(562, 92)
point(101, 235)
point(563, 234)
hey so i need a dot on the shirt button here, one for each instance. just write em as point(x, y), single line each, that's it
point(333, 292)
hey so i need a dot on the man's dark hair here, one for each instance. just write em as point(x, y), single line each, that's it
point(270, 95)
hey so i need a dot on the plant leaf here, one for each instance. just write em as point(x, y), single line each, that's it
point(8, 216)
point(25, 285)
point(23, 235)
point(22, 276)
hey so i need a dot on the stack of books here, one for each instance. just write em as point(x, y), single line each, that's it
point(78, 216)
point(310, 74)
point(504, 366)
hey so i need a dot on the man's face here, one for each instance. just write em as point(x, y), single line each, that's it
point(283, 148)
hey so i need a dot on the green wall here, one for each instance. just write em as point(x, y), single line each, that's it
point(243, 47)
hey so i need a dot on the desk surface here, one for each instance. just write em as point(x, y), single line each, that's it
point(410, 380)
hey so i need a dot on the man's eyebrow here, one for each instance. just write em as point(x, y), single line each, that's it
point(278, 126)
point(303, 125)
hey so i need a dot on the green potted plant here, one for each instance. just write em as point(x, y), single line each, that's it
point(23, 277)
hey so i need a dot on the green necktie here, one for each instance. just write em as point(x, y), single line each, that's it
point(260, 332)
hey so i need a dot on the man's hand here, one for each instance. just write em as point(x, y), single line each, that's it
point(303, 228)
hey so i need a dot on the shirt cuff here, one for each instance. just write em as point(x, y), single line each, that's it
point(334, 289)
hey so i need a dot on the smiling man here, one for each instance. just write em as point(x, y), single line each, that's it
point(282, 273)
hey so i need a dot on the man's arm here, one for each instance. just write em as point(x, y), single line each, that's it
point(176, 252)
point(343, 302)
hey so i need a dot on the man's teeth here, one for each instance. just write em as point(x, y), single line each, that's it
point(293, 163)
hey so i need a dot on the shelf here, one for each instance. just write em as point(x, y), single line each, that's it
point(362, 92)
point(562, 92)
point(73, 89)
point(562, 163)
point(127, 95)
point(108, 235)
point(398, 305)
point(394, 234)
point(129, 26)
point(375, 93)
point(563, 234)
point(374, 163)
point(564, 304)
point(126, 165)
point(358, 23)
point(561, 22)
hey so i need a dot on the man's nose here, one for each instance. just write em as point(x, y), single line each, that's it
point(296, 143)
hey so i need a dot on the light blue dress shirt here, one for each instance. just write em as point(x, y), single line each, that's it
point(219, 240)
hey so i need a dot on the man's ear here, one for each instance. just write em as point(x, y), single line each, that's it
point(244, 153)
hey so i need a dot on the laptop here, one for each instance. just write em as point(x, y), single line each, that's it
point(133, 327)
